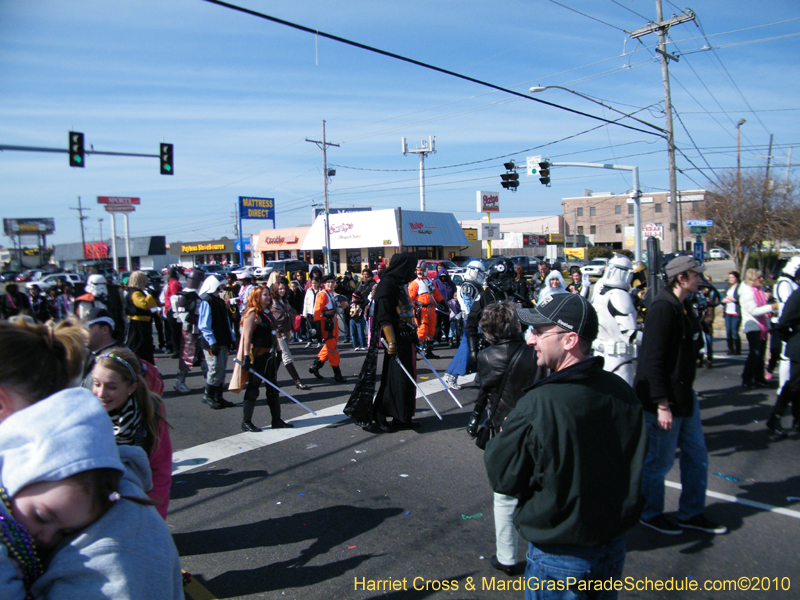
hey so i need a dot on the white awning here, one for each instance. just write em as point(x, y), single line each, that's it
point(355, 230)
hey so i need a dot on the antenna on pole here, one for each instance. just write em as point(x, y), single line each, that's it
point(427, 148)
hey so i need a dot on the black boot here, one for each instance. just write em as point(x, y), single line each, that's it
point(474, 421)
point(337, 375)
point(298, 383)
point(218, 395)
point(429, 350)
point(737, 345)
point(774, 425)
point(315, 367)
point(383, 424)
point(275, 411)
point(247, 416)
point(210, 399)
point(730, 347)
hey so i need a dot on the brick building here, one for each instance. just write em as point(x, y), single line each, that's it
point(607, 219)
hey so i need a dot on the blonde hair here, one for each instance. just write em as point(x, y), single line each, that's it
point(138, 280)
point(751, 276)
point(40, 360)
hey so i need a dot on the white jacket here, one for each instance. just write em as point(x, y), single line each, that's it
point(308, 301)
point(749, 309)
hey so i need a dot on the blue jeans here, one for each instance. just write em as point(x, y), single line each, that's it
point(686, 434)
point(551, 566)
point(357, 332)
point(732, 323)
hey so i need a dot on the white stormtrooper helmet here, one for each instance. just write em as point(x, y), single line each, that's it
point(476, 272)
point(619, 273)
point(96, 285)
point(791, 267)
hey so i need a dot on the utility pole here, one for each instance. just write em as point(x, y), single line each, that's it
point(662, 27)
point(427, 148)
point(80, 210)
point(324, 145)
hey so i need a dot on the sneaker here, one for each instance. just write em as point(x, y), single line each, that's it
point(451, 382)
point(701, 523)
point(308, 345)
point(181, 387)
point(662, 524)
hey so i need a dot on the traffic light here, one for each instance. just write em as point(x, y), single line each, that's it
point(167, 167)
point(510, 180)
point(544, 173)
point(76, 149)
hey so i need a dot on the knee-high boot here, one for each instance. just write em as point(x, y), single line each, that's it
point(218, 395)
point(337, 375)
point(247, 415)
point(730, 346)
point(298, 383)
point(275, 410)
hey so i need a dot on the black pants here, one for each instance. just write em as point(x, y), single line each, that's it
point(790, 394)
point(175, 330)
point(754, 366)
point(266, 365)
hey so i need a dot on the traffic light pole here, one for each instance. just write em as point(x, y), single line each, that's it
point(637, 194)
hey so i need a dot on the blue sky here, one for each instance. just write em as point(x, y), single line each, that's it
point(239, 95)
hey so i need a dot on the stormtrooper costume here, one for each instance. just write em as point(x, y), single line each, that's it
point(98, 293)
point(617, 316)
point(467, 294)
point(786, 284)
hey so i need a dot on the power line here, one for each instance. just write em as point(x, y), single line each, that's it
point(419, 63)
point(588, 16)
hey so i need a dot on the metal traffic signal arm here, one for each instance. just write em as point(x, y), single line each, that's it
point(76, 151)
point(637, 194)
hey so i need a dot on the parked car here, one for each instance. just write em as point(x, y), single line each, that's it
point(432, 265)
point(529, 264)
point(287, 266)
point(48, 281)
point(31, 275)
point(212, 268)
point(789, 250)
point(595, 268)
point(7, 276)
point(716, 254)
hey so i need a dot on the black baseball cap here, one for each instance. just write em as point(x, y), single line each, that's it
point(98, 315)
point(571, 312)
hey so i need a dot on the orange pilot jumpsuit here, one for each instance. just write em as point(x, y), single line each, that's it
point(325, 303)
point(422, 293)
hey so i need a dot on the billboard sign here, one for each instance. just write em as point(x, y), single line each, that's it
point(117, 200)
point(653, 230)
point(488, 201)
point(256, 208)
point(29, 226)
point(112, 208)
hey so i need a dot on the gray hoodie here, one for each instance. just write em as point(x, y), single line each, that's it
point(128, 552)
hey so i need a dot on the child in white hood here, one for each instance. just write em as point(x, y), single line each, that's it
point(74, 518)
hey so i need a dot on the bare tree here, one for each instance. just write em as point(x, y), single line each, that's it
point(750, 209)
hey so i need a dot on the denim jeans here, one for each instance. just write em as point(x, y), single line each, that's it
point(357, 332)
point(551, 566)
point(732, 323)
point(686, 434)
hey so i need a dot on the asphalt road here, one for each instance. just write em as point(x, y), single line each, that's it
point(327, 510)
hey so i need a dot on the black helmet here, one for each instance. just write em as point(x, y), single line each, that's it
point(194, 279)
point(502, 268)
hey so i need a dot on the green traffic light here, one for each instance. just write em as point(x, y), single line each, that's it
point(167, 167)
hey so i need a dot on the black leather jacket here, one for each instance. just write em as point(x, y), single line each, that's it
point(492, 365)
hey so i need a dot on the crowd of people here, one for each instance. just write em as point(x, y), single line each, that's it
point(581, 403)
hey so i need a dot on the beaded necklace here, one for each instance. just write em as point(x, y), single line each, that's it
point(20, 546)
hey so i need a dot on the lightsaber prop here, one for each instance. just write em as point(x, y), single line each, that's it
point(268, 382)
point(416, 385)
point(446, 387)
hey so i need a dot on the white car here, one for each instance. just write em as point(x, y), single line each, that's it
point(45, 283)
point(716, 254)
point(595, 268)
point(789, 250)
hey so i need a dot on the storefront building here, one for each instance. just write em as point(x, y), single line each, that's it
point(364, 239)
point(208, 252)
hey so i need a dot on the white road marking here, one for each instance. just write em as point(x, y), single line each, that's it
point(211, 452)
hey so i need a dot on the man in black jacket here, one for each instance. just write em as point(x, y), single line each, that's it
point(664, 378)
point(216, 339)
point(571, 452)
point(789, 331)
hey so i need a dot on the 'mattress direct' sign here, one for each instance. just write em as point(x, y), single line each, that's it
point(256, 208)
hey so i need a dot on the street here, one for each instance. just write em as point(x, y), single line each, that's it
point(326, 510)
